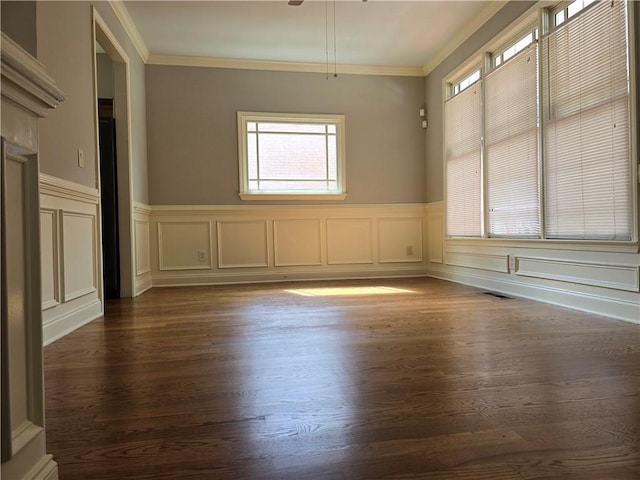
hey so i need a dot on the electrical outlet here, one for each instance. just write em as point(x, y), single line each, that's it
point(409, 250)
point(80, 158)
point(202, 255)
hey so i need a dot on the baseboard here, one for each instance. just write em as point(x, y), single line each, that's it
point(176, 280)
point(46, 469)
point(67, 323)
point(615, 308)
point(143, 283)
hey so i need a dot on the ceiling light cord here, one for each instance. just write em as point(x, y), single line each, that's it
point(335, 45)
point(326, 35)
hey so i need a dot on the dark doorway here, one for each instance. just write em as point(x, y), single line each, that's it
point(109, 195)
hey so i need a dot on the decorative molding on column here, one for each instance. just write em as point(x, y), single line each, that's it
point(25, 80)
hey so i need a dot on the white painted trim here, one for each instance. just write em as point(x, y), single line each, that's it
point(45, 469)
point(129, 26)
point(59, 187)
point(124, 135)
point(55, 242)
point(633, 271)
point(95, 245)
point(369, 220)
point(201, 210)
point(49, 304)
point(244, 118)
point(25, 80)
point(67, 323)
point(412, 259)
point(292, 196)
point(224, 278)
point(148, 224)
point(141, 208)
point(482, 261)
point(234, 63)
point(586, 302)
point(544, 244)
point(143, 283)
point(220, 224)
point(279, 263)
point(163, 267)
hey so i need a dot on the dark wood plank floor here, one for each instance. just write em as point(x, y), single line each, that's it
point(254, 382)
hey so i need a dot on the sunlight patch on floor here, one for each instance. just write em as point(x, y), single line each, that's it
point(346, 291)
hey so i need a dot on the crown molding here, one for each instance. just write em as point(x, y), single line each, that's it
point(210, 62)
point(129, 26)
point(463, 35)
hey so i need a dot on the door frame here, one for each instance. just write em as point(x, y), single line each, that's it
point(124, 152)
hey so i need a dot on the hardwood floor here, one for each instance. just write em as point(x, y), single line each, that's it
point(421, 379)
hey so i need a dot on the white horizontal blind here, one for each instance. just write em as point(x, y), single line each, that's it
point(586, 126)
point(463, 163)
point(511, 143)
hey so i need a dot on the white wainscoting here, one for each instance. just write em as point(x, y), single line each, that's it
point(271, 243)
point(597, 277)
point(242, 243)
point(142, 239)
point(350, 241)
point(400, 239)
point(297, 242)
point(70, 256)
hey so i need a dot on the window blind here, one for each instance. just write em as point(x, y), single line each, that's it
point(511, 146)
point(586, 126)
point(463, 163)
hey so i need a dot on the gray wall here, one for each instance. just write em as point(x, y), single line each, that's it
point(104, 66)
point(19, 23)
point(192, 130)
point(434, 91)
point(64, 47)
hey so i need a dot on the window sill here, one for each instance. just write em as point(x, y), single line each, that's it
point(293, 196)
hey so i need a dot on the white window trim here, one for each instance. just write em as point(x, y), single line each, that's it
point(338, 120)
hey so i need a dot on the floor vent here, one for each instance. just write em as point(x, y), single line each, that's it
point(498, 295)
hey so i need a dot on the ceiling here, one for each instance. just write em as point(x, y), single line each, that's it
point(379, 33)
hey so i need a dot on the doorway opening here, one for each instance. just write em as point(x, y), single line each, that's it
point(112, 102)
point(108, 175)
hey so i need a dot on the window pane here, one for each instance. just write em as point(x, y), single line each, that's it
point(332, 166)
point(296, 185)
point(574, 8)
point(292, 156)
point(463, 169)
point(511, 138)
point(586, 134)
point(252, 155)
point(291, 127)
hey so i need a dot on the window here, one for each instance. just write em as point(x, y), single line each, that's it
point(291, 154)
point(466, 82)
point(511, 142)
point(570, 10)
point(517, 47)
point(463, 165)
point(554, 131)
point(586, 126)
